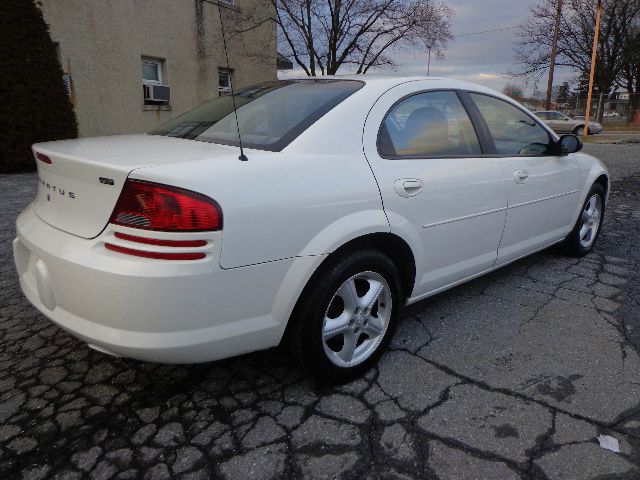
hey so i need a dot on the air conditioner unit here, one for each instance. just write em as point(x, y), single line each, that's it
point(156, 93)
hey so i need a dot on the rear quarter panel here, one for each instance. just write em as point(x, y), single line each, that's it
point(280, 205)
point(309, 199)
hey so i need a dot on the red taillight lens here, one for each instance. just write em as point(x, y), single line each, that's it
point(155, 255)
point(152, 206)
point(160, 242)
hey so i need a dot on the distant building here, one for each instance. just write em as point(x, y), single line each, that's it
point(618, 102)
point(132, 64)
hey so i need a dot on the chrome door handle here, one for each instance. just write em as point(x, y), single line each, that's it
point(520, 176)
point(408, 187)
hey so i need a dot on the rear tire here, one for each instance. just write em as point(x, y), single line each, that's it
point(579, 131)
point(346, 317)
point(586, 231)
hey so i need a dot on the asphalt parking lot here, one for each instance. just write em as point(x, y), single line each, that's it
point(511, 376)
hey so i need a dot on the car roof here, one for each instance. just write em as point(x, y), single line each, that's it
point(393, 80)
point(351, 114)
point(376, 84)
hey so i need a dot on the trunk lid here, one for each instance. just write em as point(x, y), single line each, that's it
point(78, 191)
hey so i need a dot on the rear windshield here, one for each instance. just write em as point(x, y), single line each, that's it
point(270, 115)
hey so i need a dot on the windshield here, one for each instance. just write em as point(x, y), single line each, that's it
point(270, 115)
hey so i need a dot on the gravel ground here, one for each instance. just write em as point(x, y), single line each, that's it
point(511, 376)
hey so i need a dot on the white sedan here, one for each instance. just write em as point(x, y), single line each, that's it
point(359, 196)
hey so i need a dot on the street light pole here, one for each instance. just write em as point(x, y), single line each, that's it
point(554, 52)
point(429, 63)
point(593, 69)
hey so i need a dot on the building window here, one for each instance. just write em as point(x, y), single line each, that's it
point(224, 82)
point(228, 2)
point(155, 91)
point(152, 71)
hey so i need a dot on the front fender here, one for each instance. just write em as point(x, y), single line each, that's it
point(590, 170)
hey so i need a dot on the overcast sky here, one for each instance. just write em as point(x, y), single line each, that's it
point(483, 58)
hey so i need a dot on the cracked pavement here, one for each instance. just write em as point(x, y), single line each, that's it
point(511, 376)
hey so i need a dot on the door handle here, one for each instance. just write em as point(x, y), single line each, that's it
point(520, 176)
point(408, 187)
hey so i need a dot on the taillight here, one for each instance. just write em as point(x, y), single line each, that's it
point(152, 206)
point(160, 242)
point(155, 255)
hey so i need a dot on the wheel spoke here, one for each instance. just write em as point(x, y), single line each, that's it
point(589, 234)
point(349, 295)
point(336, 326)
point(586, 216)
point(375, 288)
point(372, 328)
point(583, 231)
point(349, 346)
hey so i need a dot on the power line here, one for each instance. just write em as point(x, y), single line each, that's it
point(486, 31)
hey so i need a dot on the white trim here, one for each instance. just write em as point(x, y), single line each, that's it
point(466, 217)
point(542, 199)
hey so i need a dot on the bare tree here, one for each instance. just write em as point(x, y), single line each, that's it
point(629, 78)
point(322, 36)
point(514, 91)
point(575, 41)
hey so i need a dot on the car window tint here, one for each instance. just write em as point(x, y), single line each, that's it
point(430, 124)
point(513, 131)
point(542, 115)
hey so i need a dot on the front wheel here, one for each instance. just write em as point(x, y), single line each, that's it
point(347, 316)
point(587, 229)
point(579, 131)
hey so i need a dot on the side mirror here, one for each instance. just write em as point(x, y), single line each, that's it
point(569, 144)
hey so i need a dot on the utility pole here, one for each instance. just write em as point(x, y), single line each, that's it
point(554, 52)
point(593, 69)
point(429, 63)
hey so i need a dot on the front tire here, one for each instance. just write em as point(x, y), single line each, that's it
point(579, 131)
point(586, 231)
point(346, 317)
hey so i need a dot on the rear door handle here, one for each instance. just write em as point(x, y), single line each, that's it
point(408, 187)
point(520, 176)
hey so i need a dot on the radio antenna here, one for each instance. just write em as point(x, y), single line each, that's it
point(242, 156)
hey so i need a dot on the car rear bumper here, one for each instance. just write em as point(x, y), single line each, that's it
point(153, 310)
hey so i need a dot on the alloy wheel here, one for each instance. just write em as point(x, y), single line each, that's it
point(590, 221)
point(356, 319)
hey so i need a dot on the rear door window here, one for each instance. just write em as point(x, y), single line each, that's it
point(428, 124)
